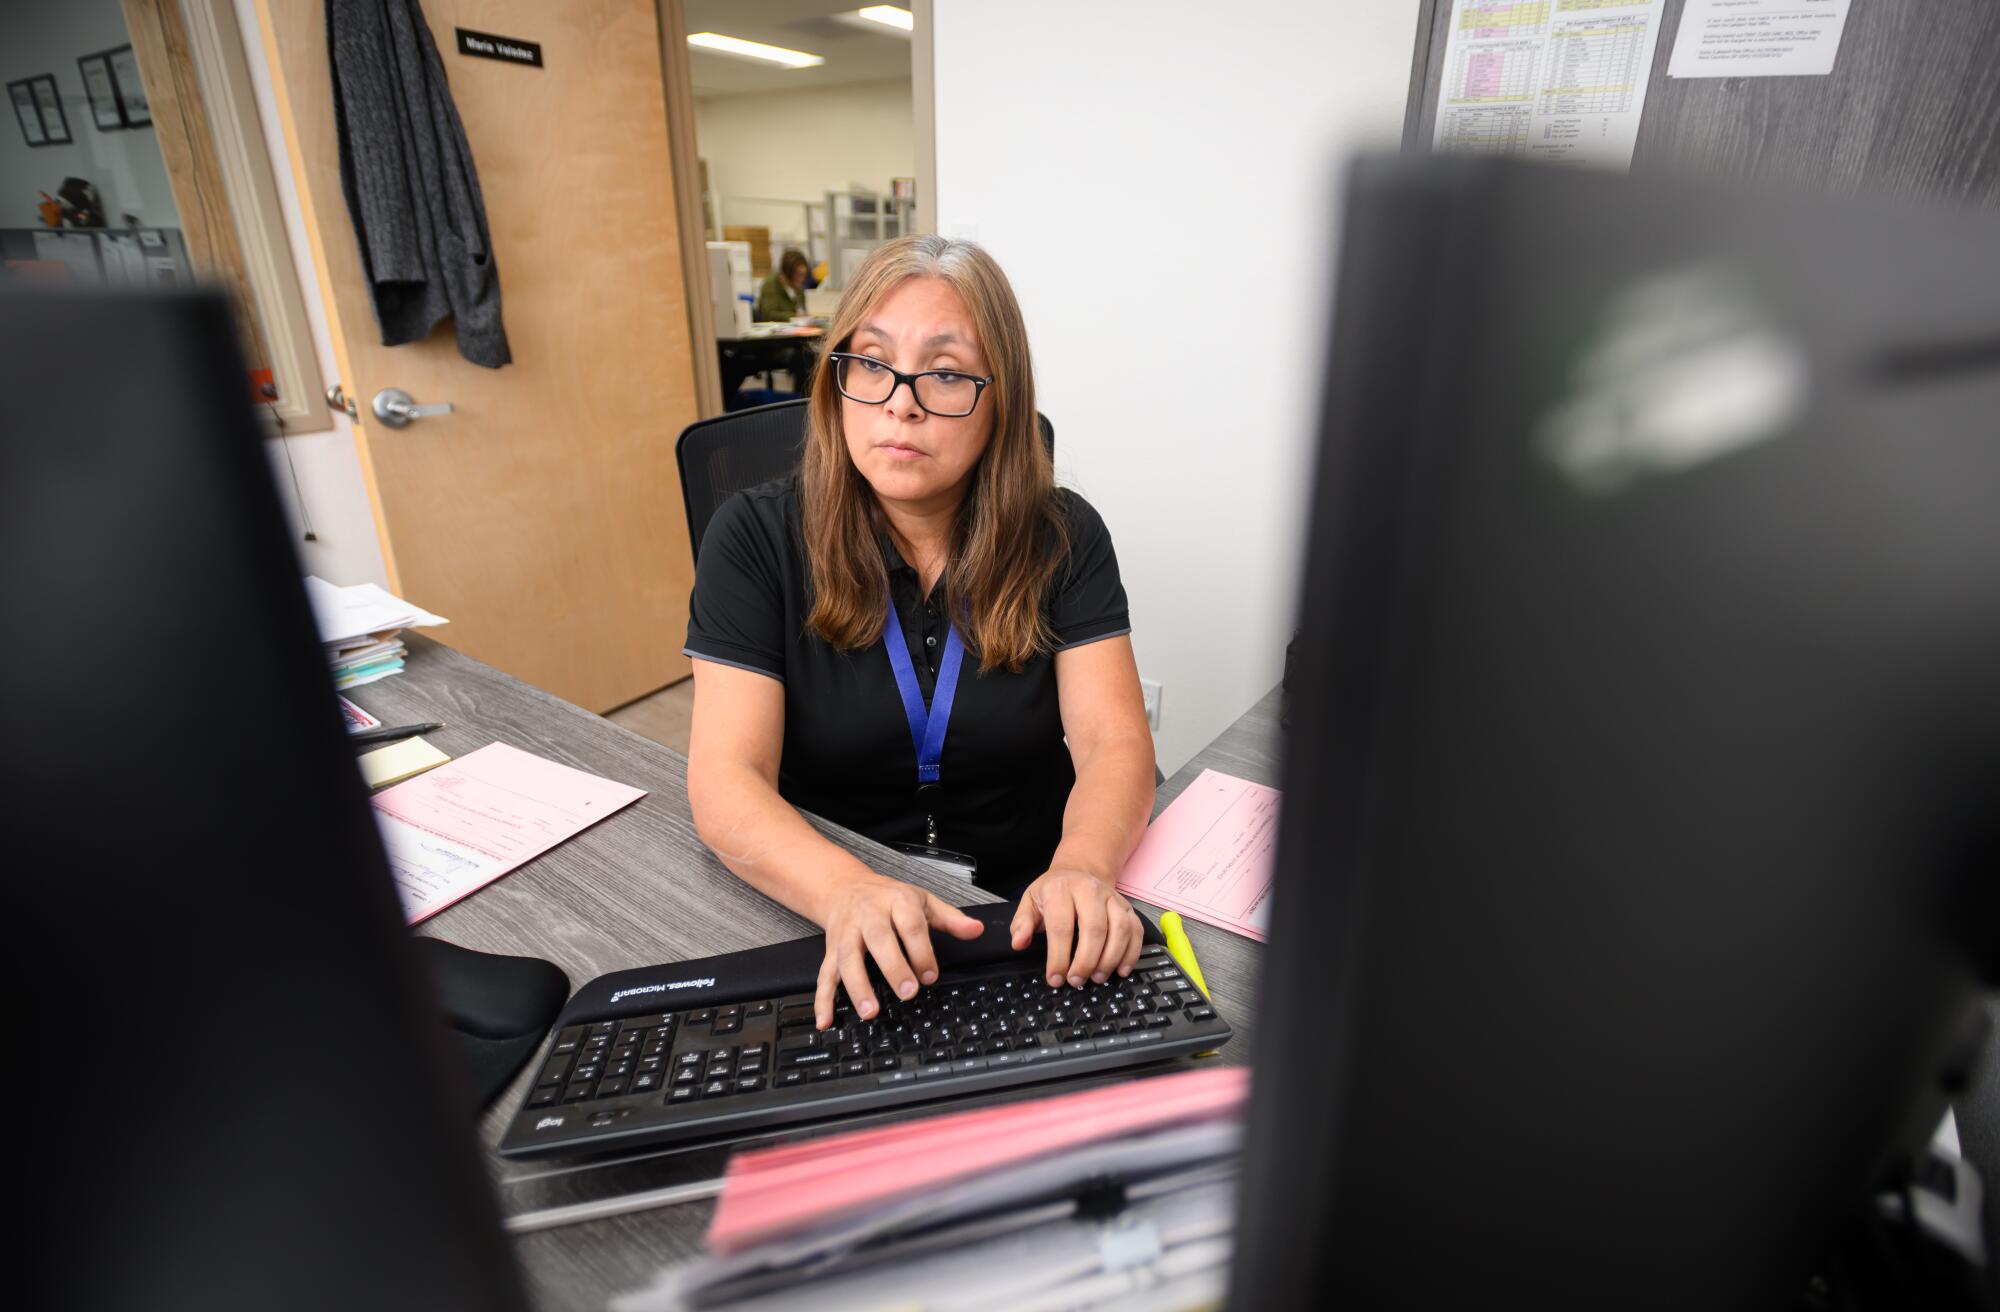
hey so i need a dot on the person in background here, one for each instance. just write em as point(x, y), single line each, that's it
point(784, 292)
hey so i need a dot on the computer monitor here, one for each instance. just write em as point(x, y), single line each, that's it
point(230, 1085)
point(1638, 861)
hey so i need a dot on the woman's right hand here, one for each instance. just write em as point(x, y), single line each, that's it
point(872, 915)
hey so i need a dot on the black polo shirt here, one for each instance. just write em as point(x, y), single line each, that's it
point(1005, 769)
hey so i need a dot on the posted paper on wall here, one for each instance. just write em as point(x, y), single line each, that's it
point(1758, 38)
point(453, 831)
point(1560, 81)
point(1210, 855)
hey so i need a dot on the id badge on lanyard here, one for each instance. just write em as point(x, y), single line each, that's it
point(927, 730)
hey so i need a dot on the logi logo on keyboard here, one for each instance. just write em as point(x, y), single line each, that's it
point(663, 988)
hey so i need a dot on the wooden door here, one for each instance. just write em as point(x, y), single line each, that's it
point(543, 516)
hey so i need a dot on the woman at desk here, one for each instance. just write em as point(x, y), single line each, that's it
point(921, 638)
point(784, 292)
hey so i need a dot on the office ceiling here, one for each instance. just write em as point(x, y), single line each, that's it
point(852, 54)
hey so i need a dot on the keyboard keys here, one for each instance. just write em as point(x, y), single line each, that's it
point(1001, 1023)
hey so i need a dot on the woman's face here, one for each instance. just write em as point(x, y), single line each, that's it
point(909, 456)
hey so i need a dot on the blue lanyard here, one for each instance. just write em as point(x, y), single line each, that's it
point(926, 727)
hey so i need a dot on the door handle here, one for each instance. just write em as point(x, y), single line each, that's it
point(398, 409)
point(336, 399)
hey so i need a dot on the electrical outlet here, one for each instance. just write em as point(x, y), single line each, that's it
point(1150, 690)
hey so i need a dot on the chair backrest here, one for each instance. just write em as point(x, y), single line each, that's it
point(720, 457)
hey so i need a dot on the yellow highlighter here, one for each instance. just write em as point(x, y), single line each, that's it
point(1181, 950)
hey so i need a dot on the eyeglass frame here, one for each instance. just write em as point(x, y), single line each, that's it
point(979, 385)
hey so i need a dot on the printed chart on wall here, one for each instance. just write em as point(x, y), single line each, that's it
point(1560, 81)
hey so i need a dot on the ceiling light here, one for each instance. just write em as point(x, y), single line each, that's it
point(888, 16)
point(736, 46)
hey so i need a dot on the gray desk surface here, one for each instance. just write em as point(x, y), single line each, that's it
point(639, 889)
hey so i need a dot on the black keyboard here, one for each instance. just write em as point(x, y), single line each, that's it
point(732, 1066)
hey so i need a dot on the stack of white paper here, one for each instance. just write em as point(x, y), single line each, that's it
point(358, 626)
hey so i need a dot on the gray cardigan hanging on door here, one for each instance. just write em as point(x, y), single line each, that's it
point(410, 184)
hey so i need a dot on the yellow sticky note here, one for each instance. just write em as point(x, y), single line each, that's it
point(398, 761)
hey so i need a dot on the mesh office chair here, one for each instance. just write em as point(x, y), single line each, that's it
point(720, 457)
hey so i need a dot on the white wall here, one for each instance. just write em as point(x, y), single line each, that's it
point(1148, 172)
point(802, 144)
point(124, 165)
point(328, 466)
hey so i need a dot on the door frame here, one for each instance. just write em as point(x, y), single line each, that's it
point(685, 149)
point(210, 134)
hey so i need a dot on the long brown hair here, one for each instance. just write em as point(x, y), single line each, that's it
point(1010, 537)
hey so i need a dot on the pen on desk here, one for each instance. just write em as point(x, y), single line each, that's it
point(1181, 950)
point(389, 733)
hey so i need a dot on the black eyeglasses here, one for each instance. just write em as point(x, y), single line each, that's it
point(946, 393)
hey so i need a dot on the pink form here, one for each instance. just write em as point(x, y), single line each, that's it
point(776, 1191)
point(451, 832)
point(1210, 855)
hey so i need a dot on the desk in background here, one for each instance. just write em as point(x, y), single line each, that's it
point(640, 889)
point(754, 352)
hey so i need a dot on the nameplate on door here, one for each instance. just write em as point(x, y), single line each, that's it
point(508, 49)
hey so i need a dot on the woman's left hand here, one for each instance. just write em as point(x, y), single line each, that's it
point(1072, 904)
